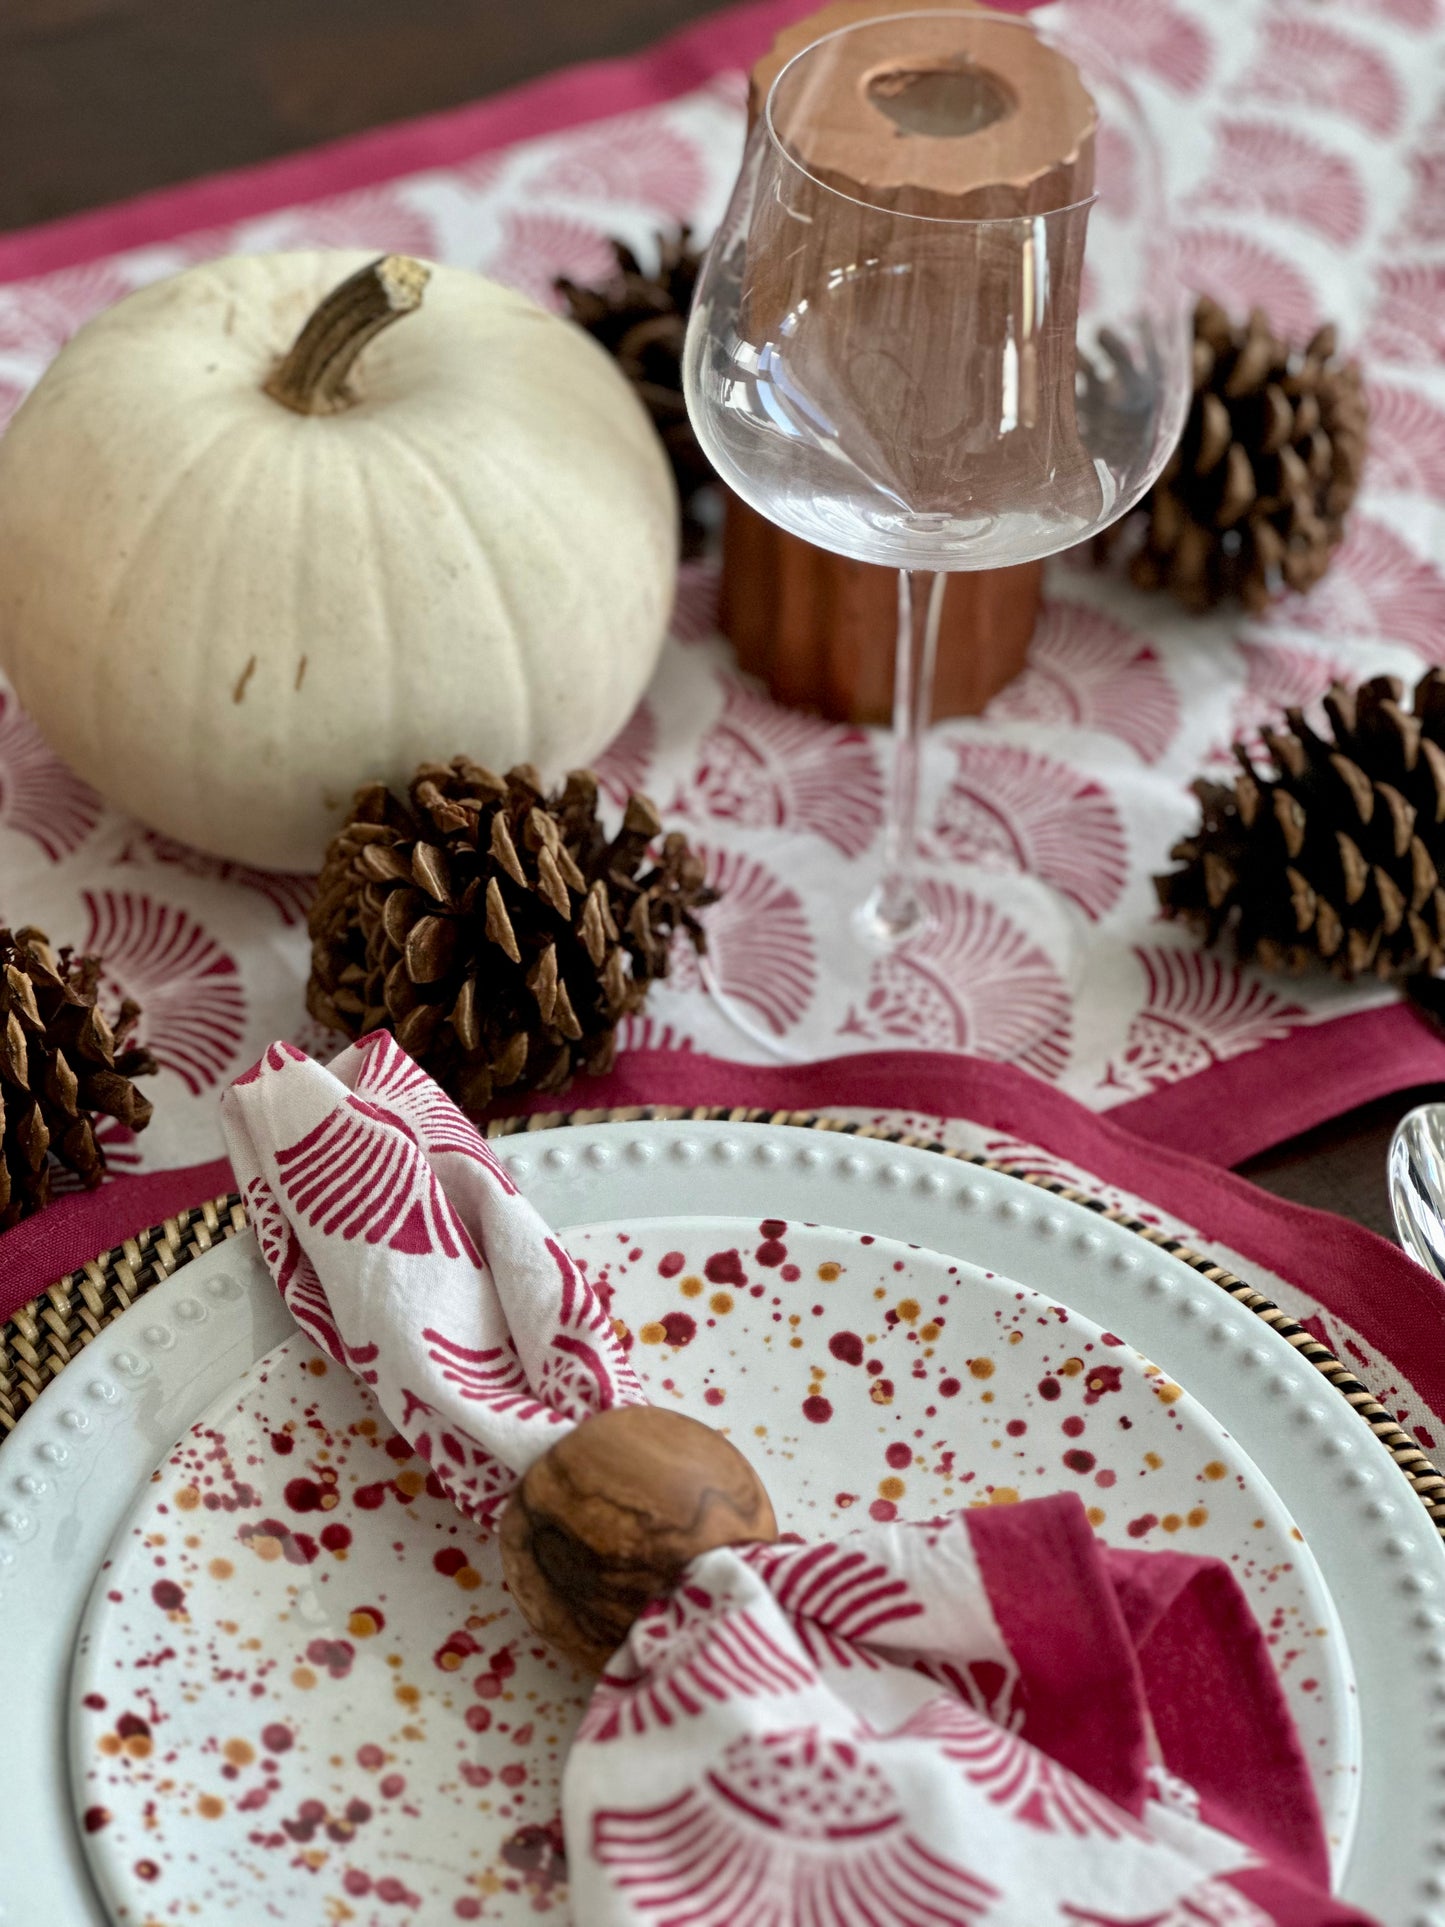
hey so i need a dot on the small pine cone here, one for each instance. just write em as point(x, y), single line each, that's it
point(1253, 501)
point(61, 1065)
point(641, 319)
point(1333, 854)
point(499, 933)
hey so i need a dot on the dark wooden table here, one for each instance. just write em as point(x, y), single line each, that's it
point(101, 99)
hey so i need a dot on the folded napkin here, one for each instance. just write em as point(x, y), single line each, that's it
point(987, 1718)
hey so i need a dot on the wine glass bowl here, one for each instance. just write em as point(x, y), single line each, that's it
point(939, 326)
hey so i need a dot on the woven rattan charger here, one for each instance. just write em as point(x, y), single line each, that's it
point(49, 1333)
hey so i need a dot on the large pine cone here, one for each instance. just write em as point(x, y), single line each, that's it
point(1334, 853)
point(61, 1065)
point(499, 933)
point(641, 319)
point(1254, 498)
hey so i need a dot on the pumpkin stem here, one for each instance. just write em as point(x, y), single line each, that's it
point(311, 376)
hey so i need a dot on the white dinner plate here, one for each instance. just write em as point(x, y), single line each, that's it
point(72, 1470)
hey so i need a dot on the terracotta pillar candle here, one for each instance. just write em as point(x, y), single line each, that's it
point(983, 122)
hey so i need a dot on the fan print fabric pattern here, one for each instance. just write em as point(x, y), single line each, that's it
point(1306, 163)
point(406, 1253)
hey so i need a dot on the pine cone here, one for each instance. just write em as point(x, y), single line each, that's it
point(1254, 498)
point(640, 319)
point(1334, 853)
point(61, 1065)
point(498, 932)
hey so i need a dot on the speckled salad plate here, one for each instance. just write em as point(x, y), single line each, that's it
point(274, 1675)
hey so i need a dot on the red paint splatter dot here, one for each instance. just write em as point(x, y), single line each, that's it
point(95, 1702)
point(844, 1499)
point(467, 1908)
point(283, 1443)
point(449, 1561)
point(725, 1268)
point(790, 1275)
point(1016, 1427)
point(303, 1495)
point(391, 1786)
point(680, 1327)
point(898, 1456)
point(713, 1395)
point(883, 1510)
point(1050, 1388)
point(355, 1882)
point(847, 1347)
point(390, 1889)
point(335, 1655)
point(1309, 1685)
point(336, 1538)
point(948, 1388)
point(131, 1726)
point(772, 1227)
point(370, 1756)
point(168, 1595)
point(397, 1447)
point(671, 1263)
point(817, 1409)
point(513, 1776)
point(146, 1870)
point(96, 1818)
point(1105, 1479)
point(277, 1738)
point(478, 1718)
point(1072, 1426)
point(369, 1497)
point(771, 1252)
point(1079, 1461)
point(1146, 1523)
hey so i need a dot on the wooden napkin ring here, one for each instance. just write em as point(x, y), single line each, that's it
point(610, 1517)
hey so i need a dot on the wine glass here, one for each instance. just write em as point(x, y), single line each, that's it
point(908, 384)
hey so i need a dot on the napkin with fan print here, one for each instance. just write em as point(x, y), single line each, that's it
point(990, 1718)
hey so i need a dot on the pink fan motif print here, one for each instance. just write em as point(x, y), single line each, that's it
point(973, 981)
point(1423, 221)
point(1116, 171)
point(1407, 439)
point(636, 160)
point(1261, 167)
point(382, 218)
point(763, 767)
point(188, 987)
point(759, 947)
point(1198, 1011)
point(289, 896)
point(39, 797)
point(1164, 40)
point(788, 1827)
point(836, 1597)
point(288, 1264)
point(1241, 274)
point(1013, 809)
point(1277, 677)
point(38, 317)
point(1377, 586)
point(1026, 1783)
point(538, 246)
point(622, 767)
point(641, 1030)
point(1408, 323)
point(694, 1653)
point(1305, 62)
point(1087, 671)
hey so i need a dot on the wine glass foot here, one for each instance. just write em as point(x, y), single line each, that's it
point(889, 916)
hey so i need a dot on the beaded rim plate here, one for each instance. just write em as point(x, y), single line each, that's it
point(76, 1461)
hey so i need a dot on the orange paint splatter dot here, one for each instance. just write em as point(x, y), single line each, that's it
point(891, 1488)
point(981, 1367)
point(829, 1271)
point(469, 1579)
point(928, 1332)
point(720, 1302)
point(316, 1367)
point(1016, 1338)
point(407, 1695)
point(1096, 1515)
point(137, 1745)
point(1071, 1368)
point(1168, 1393)
point(879, 1394)
point(209, 1807)
point(188, 1498)
point(691, 1286)
point(652, 1333)
point(1003, 1495)
point(411, 1483)
point(1171, 1522)
point(909, 1310)
point(1215, 1469)
point(1197, 1515)
point(1153, 1461)
point(220, 1568)
point(109, 1744)
point(361, 1625)
point(239, 1752)
point(303, 1679)
point(265, 1547)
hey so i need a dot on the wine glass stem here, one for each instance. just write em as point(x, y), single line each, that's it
point(897, 907)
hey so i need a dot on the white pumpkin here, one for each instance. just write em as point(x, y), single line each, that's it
point(228, 604)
